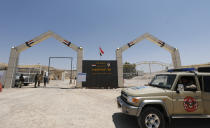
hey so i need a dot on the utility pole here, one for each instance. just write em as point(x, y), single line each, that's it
point(150, 71)
point(71, 71)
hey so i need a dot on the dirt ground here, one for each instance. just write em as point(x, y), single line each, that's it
point(61, 106)
point(57, 106)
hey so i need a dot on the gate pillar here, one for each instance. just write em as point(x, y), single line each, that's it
point(12, 67)
point(119, 68)
point(79, 64)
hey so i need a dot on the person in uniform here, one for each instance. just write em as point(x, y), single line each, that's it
point(189, 84)
point(75, 80)
point(39, 79)
point(35, 80)
point(45, 80)
point(21, 80)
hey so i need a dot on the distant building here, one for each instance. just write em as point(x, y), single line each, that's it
point(139, 72)
point(68, 74)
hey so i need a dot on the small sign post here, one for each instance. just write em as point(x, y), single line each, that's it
point(81, 77)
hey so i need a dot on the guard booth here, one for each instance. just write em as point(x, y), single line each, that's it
point(100, 73)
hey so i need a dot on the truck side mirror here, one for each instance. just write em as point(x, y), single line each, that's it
point(180, 88)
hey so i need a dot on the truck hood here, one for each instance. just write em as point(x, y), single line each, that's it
point(144, 91)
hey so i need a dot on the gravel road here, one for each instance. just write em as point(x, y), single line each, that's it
point(61, 106)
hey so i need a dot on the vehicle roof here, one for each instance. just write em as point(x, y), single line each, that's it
point(185, 73)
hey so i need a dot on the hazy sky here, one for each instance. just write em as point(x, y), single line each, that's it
point(107, 23)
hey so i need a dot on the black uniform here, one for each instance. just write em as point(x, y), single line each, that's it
point(35, 80)
point(21, 80)
point(45, 80)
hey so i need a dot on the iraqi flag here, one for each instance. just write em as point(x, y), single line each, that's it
point(101, 51)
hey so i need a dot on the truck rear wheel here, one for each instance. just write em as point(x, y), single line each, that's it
point(151, 117)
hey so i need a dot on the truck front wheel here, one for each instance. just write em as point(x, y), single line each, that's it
point(151, 117)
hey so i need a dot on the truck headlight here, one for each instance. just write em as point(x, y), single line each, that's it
point(133, 99)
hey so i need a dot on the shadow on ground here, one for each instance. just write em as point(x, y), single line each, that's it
point(50, 87)
point(191, 123)
point(69, 88)
point(124, 121)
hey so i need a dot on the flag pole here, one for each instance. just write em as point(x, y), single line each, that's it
point(101, 52)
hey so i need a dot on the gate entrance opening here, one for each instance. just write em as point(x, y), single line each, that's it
point(15, 52)
point(71, 58)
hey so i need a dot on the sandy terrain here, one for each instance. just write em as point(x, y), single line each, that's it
point(57, 106)
point(61, 106)
point(136, 81)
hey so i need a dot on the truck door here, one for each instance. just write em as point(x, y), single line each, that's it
point(187, 96)
point(206, 94)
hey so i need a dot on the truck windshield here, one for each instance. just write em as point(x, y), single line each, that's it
point(163, 81)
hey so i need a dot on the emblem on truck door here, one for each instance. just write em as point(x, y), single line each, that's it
point(190, 104)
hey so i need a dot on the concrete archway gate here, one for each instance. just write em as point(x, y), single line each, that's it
point(15, 52)
point(173, 51)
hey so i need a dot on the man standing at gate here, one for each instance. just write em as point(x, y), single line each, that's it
point(39, 79)
point(21, 80)
point(36, 80)
point(45, 80)
point(75, 79)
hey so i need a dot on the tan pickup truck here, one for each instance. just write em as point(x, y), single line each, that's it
point(180, 93)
